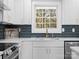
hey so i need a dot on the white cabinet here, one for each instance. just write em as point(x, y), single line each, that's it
point(40, 53)
point(48, 53)
point(42, 50)
point(48, 50)
point(26, 50)
point(57, 53)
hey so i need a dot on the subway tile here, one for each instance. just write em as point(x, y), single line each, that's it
point(26, 31)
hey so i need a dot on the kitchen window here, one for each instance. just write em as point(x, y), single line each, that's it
point(46, 17)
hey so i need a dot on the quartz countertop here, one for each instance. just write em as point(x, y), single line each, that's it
point(18, 40)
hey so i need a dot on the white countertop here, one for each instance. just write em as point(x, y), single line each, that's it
point(18, 40)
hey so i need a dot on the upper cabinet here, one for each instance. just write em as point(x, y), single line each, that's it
point(19, 13)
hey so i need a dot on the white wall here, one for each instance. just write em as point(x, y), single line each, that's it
point(27, 13)
point(70, 12)
point(8, 15)
point(19, 13)
point(1, 12)
point(0, 15)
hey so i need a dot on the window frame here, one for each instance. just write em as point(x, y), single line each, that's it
point(46, 4)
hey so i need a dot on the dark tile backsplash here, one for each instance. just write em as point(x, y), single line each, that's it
point(26, 32)
point(1, 31)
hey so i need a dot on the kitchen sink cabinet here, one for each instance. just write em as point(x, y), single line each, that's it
point(48, 50)
point(40, 53)
point(57, 53)
point(42, 49)
point(48, 53)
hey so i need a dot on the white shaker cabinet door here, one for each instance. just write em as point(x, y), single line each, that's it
point(56, 53)
point(26, 50)
point(48, 53)
point(40, 53)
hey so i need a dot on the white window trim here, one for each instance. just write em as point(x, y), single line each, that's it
point(46, 4)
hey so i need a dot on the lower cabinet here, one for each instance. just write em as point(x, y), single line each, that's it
point(48, 53)
point(48, 50)
point(40, 53)
point(26, 50)
point(42, 50)
point(57, 53)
